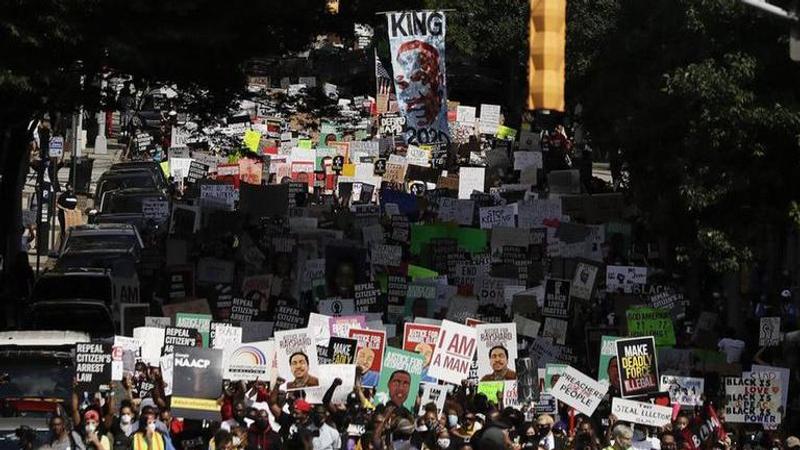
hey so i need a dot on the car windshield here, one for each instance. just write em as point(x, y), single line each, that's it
point(124, 204)
point(72, 287)
point(137, 179)
point(10, 441)
point(90, 242)
point(36, 374)
point(91, 319)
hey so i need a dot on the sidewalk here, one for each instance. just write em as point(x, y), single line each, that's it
point(102, 162)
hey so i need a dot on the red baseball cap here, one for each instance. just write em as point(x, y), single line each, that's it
point(91, 415)
point(302, 405)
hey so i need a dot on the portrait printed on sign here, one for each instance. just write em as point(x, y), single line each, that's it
point(497, 351)
point(421, 338)
point(399, 383)
point(417, 44)
point(296, 353)
point(369, 356)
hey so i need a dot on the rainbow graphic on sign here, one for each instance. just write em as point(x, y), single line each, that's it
point(248, 355)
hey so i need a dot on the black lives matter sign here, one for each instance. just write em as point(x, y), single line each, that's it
point(92, 366)
point(556, 299)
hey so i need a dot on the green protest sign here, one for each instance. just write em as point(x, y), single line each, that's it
point(473, 240)
point(400, 376)
point(491, 389)
point(647, 321)
point(199, 322)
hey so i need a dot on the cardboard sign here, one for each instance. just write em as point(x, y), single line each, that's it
point(328, 373)
point(647, 321)
point(685, 391)
point(432, 393)
point(624, 278)
point(497, 351)
point(369, 355)
point(642, 413)
point(584, 280)
point(249, 361)
point(400, 378)
point(556, 299)
point(638, 367)
point(92, 366)
point(579, 391)
point(753, 398)
point(196, 380)
point(297, 358)
point(454, 352)
point(769, 332)
point(181, 337)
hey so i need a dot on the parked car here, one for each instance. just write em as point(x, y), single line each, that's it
point(92, 317)
point(72, 283)
point(152, 166)
point(37, 369)
point(100, 245)
point(126, 206)
point(142, 178)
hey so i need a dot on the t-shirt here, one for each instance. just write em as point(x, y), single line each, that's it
point(733, 349)
point(328, 439)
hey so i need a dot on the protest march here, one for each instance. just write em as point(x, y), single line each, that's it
point(400, 268)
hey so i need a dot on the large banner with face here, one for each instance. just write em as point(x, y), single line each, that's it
point(416, 40)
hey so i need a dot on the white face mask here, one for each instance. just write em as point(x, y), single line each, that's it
point(90, 427)
point(151, 426)
point(443, 442)
point(422, 428)
point(452, 420)
point(236, 441)
point(125, 419)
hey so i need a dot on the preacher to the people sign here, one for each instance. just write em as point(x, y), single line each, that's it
point(416, 39)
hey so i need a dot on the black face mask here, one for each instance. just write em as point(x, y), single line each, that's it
point(318, 419)
point(262, 423)
point(543, 431)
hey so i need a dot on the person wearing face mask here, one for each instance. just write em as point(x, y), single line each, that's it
point(147, 437)
point(443, 440)
point(260, 436)
point(468, 428)
point(544, 432)
point(122, 427)
point(93, 438)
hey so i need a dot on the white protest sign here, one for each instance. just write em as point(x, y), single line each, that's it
point(56, 149)
point(296, 353)
point(497, 216)
point(249, 361)
point(123, 353)
point(452, 357)
point(755, 397)
point(152, 339)
point(783, 378)
point(624, 278)
point(527, 327)
point(155, 208)
point(320, 327)
point(167, 363)
point(769, 332)
point(223, 335)
point(525, 160)
point(579, 391)
point(532, 213)
point(157, 322)
point(685, 391)
point(466, 114)
point(219, 196)
point(490, 118)
point(327, 374)
point(433, 393)
point(642, 413)
point(387, 255)
point(470, 179)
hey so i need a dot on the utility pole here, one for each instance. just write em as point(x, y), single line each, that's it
point(792, 15)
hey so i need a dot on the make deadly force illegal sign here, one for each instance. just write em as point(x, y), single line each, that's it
point(638, 368)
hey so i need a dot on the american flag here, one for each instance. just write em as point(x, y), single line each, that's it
point(382, 77)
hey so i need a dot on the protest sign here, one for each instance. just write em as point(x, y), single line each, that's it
point(341, 325)
point(320, 327)
point(638, 367)
point(93, 363)
point(181, 337)
point(470, 179)
point(386, 254)
point(224, 334)
point(556, 299)
point(556, 329)
point(552, 373)
point(158, 322)
point(784, 378)
point(579, 391)
point(489, 118)
point(218, 196)
point(400, 378)
point(452, 356)
point(155, 208)
point(196, 379)
point(327, 374)
point(492, 390)
point(249, 361)
point(366, 298)
point(496, 351)
point(124, 354)
point(199, 322)
point(342, 350)
point(769, 332)
point(527, 327)
point(497, 216)
point(289, 318)
point(422, 339)
point(642, 413)
point(755, 397)
point(685, 391)
point(243, 309)
point(624, 278)
point(432, 393)
point(583, 281)
point(296, 354)
point(647, 321)
point(152, 339)
point(416, 40)
point(369, 356)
